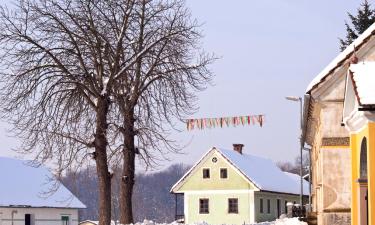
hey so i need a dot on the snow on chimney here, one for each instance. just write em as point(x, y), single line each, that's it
point(238, 148)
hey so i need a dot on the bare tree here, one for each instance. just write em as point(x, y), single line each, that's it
point(102, 74)
point(160, 87)
point(56, 60)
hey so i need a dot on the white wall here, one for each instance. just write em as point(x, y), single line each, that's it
point(42, 216)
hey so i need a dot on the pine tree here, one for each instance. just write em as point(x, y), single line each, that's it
point(364, 19)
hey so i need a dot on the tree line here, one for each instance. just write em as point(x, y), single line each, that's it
point(151, 199)
point(100, 81)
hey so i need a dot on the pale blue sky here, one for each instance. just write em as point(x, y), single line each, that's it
point(269, 49)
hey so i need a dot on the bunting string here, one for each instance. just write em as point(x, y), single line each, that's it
point(221, 122)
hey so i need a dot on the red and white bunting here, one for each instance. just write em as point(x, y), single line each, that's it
point(204, 123)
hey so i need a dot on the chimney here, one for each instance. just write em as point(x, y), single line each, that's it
point(238, 148)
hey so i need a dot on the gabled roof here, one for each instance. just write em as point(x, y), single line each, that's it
point(263, 173)
point(344, 55)
point(25, 186)
point(363, 80)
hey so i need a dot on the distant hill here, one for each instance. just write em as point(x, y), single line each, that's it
point(151, 200)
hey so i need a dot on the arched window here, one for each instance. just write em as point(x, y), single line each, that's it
point(363, 159)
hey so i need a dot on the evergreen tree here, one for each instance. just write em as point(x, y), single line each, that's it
point(359, 23)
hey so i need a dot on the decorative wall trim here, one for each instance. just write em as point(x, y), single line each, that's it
point(337, 210)
point(336, 141)
point(239, 191)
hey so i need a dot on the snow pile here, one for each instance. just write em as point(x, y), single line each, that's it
point(285, 221)
point(289, 221)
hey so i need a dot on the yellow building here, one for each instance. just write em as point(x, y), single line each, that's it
point(359, 119)
point(229, 187)
point(342, 97)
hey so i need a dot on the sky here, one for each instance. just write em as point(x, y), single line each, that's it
point(267, 50)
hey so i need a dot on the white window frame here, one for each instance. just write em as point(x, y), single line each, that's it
point(280, 205)
point(209, 172)
point(220, 173)
point(69, 219)
point(208, 206)
point(32, 218)
point(238, 206)
point(269, 206)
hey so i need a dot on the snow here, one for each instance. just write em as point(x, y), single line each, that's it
point(105, 83)
point(264, 173)
point(95, 222)
point(343, 55)
point(23, 185)
point(364, 79)
point(285, 221)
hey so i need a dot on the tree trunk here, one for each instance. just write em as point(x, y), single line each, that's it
point(104, 177)
point(127, 184)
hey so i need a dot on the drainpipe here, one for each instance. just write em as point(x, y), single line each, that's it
point(306, 106)
point(12, 215)
point(309, 150)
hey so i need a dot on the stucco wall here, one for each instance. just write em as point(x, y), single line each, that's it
point(265, 216)
point(43, 216)
point(218, 207)
point(336, 181)
point(233, 182)
point(218, 191)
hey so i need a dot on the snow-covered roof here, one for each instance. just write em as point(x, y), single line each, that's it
point(25, 186)
point(341, 57)
point(363, 78)
point(263, 173)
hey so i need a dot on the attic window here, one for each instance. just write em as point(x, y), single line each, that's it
point(206, 173)
point(223, 173)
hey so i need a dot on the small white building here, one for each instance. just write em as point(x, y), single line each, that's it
point(24, 197)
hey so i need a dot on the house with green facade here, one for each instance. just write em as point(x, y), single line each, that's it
point(230, 187)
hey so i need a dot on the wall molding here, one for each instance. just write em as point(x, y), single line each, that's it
point(336, 141)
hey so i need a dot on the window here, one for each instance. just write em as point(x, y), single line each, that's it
point(286, 207)
point(278, 208)
point(261, 206)
point(28, 219)
point(363, 159)
point(206, 173)
point(204, 206)
point(233, 205)
point(268, 206)
point(223, 173)
point(65, 220)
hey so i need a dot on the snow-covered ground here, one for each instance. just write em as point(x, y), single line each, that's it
point(285, 221)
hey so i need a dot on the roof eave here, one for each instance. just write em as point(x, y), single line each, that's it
point(342, 57)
